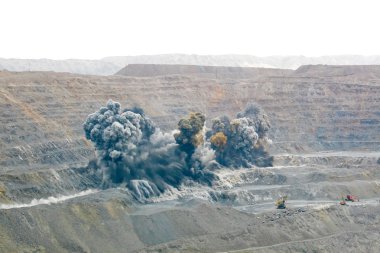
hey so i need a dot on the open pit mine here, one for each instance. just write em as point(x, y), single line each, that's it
point(185, 158)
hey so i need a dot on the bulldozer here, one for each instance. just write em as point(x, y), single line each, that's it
point(280, 202)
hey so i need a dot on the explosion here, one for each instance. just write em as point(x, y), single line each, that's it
point(190, 135)
point(132, 150)
point(241, 142)
point(218, 140)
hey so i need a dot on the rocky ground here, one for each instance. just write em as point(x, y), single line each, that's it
point(236, 214)
point(325, 125)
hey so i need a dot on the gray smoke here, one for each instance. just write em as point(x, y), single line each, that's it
point(241, 142)
point(190, 134)
point(130, 149)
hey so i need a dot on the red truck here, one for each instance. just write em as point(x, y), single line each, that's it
point(352, 198)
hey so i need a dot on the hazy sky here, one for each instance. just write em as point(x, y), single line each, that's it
point(94, 29)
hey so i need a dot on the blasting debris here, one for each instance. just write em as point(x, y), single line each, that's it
point(242, 142)
point(132, 150)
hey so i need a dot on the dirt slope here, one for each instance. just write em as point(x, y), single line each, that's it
point(325, 132)
point(42, 112)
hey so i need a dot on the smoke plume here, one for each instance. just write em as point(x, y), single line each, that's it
point(241, 142)
point(132, 150)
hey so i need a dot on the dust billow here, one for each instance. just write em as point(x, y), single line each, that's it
point(131, 150)
point(241, 142)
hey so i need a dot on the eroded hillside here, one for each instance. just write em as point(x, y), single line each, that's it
point(325, 125)
point(43, 112)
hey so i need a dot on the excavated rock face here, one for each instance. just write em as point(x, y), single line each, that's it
point(44, 153)
point(99, 223)
point(42, 112)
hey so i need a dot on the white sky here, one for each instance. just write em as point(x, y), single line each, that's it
point(93, 29)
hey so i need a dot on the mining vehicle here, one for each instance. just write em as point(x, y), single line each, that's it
point(280, 203)
point(352, 198)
